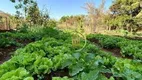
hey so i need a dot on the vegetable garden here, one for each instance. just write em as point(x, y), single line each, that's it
point(49, 54)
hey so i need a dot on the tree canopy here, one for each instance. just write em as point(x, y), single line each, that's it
point(126, 14)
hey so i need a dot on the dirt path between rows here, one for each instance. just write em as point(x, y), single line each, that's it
point(5, 53)
point(115, 51)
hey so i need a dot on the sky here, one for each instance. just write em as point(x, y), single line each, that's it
point(56, 8)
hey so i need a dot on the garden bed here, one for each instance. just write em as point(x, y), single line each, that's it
point(6, 52)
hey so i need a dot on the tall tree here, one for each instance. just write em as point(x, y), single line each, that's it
point(22, 5)
point(33, 13)
point(95, 14)
point(126, 14)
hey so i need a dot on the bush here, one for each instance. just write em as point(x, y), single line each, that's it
point(51, 23)
point(23, 28)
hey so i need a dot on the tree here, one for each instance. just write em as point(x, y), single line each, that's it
point(95, 15)
point(64, 19)
point(51, 23)
point(126, 14)
point(22, 5)
point(44, 17)
point(73, 21)
point(33, 14)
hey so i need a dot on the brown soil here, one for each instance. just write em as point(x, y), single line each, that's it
point(5, 53)
point(58, 73)
point(1, 31)
point(24, 42)
point(114, 51)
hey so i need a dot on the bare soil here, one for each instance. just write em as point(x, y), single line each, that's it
point(115, 51)
point(1, 31)
point(5, 53)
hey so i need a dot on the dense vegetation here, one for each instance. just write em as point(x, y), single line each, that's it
point(57, 53)
point(123, 16)
point(127, 14)
point(128, 47)
point(24, 34)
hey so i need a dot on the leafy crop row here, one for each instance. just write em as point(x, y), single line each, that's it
point(128, 47)
point(13, 38)
point(50, 54)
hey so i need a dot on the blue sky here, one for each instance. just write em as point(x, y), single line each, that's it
point(57, 8)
